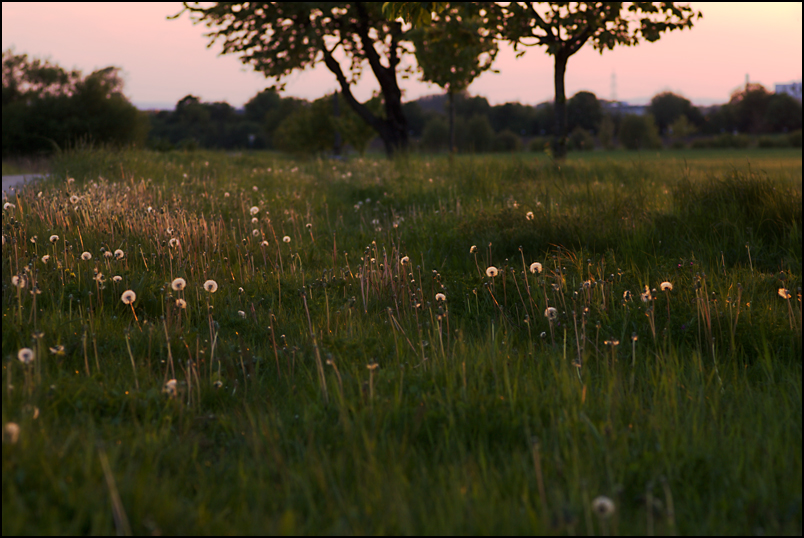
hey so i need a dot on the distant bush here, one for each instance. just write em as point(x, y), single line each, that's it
point(507, 141)
point(46, 108)
point(581, 140)
point(435, 135)
point(639, 132)
point(729, 140)
point(773, 141)
point(795, 139)
point(539, 144)
point(476, 137)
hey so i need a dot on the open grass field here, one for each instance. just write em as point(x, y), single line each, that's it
point(493, 345)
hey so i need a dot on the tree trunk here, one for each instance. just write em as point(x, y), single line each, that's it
point(560, 105)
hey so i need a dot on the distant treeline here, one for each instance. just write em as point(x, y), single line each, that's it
point(46, 108)
point(269, 121)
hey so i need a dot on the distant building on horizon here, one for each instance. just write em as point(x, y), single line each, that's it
point(622, 108)
point(793, 89)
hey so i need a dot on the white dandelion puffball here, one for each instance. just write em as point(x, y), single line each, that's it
point(173, 243)
point(626, 295)
point(535, 267)
point(54, 238)
point(19, 281)
point(86, 256)
point(108, 254)
point(254, 210)
point(551, 313)
point(264, 244)
point(286, 239)
point(8, 205)
point(241, 314)
point(211, 286)
point(178, 284)
point(666, 286)
point(405, 260)
point(255, 233)
point(128, 297)
point(472, 249)
point(491, 271)
point(46, 258)
point(603, 507)
point(170, 388)
point(25, 355)
point(117, 278)
point(11, 433)
point(440, 297)
point(74, 199)
point(119, 254)
point(529, 215)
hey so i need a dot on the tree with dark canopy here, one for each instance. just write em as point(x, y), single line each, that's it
point(563, 28)
point(278, 38)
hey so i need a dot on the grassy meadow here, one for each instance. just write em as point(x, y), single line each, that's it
point(493, 345)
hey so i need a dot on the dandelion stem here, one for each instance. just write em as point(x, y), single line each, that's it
point(133, 365)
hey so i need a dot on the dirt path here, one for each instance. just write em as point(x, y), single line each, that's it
point(13, 183)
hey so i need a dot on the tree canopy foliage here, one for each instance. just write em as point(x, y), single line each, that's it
point(46, 107)
point(278, 38)
point(453, 51)
point(563, 28)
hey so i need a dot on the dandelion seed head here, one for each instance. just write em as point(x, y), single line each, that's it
point(128, 297)
point(211, 286)
point(405, 260)
point(241, 314)
point(8, 205)
point(181, 303)
point(178, 284)
point(46, 258)
point(440, 297)
point(473, 249)
point(666, 286)
point(11, 433)
point(54, 238)
point(491, 271)
point(173, 242)
point(86, 256)
point(286, 239)
point(226, 195)
point(108, 254)
point(535, 267)
point(170, 388)
point(254, 220)
point(784, 293)
point(33, 239)
point(117, 278)
point(25, 355)
point(57, 350)
point(529, 215)
point(264, 244)
point(551, 313)
point(20, 281)
point(603, 507)
point(119, 254)
point(626, 295)
point(254, 210)
point(74, 199)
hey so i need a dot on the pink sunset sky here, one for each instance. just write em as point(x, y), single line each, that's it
point(164, 60)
